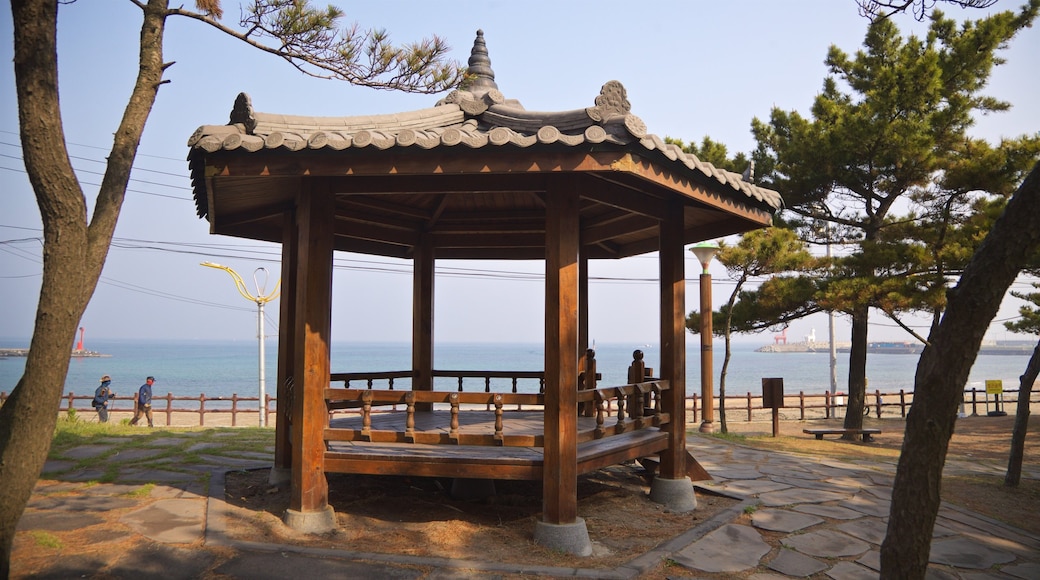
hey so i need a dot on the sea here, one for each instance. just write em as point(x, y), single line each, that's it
point(190, 368)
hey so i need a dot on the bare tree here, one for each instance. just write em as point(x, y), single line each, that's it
point(75, 247)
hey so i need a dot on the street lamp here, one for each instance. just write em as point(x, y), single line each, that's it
point(260, 300)
point(705, 251)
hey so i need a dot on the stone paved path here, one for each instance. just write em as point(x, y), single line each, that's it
point(809, 517)
point(834, 515)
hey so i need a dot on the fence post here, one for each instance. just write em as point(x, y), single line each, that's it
point(694, 397)
point(202, 410)
point(801, 404)
point(234, 409)
point(749, 406)
point(72, 399)
point(974, 403)
point(902, 403)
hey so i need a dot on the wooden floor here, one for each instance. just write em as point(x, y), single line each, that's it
point(476, 461)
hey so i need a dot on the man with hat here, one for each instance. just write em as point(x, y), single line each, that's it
point(101, 397)
point(144, 402)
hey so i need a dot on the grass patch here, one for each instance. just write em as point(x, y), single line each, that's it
point(143, 491)
point(45, 539)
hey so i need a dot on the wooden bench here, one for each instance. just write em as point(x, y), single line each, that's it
point(866, 433)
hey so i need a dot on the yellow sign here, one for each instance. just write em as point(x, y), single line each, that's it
point(994, 387)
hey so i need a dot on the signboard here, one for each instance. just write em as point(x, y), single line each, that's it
point(773, 393)
point(994, 387)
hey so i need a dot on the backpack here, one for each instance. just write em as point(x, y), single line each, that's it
point(100, 396)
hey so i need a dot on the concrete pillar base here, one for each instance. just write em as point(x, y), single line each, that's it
point(280, 476)
point(707, 427)
point(316, 522)
point(675, 494)
point(472, 489)
point(570, 538)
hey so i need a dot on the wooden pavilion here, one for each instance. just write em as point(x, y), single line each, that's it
point(474, 177)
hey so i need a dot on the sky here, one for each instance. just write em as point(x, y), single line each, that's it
point(691, 69)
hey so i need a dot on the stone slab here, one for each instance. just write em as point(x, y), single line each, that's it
point(826, 544)
point(783, 520)
point(799, 495)
point(137, 454)
point(171, 521)
point(871, 559)
point(57, 521)
point(85, 451)
point(868, 505)
point(867, 529)
point(731, 548)
point(962, 552)
point(1026, 571)
point(795, 564)
point(829, 511)
point(752, 486)
point(851, 571)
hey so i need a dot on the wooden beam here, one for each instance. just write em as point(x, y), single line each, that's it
point(673, 340)
point(315, 217)
point(560, 480)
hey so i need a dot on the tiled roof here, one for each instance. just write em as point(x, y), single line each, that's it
point(476, 117)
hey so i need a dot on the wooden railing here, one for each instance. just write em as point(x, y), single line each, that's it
point(460, 378)
point(742, 407)
point(633, 407)
point(366, 400)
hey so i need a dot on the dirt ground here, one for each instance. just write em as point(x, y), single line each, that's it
point(417, 516)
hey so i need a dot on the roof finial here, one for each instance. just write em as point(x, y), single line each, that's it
point(481, 78)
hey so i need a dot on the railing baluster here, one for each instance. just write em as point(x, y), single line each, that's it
point(599, 415)
point(499, 433)
point(620, 426)
point(453, 431)
point(366, 415)
point(409, 425)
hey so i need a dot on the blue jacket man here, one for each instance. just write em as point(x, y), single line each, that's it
point(144, 402)
point(101, 397)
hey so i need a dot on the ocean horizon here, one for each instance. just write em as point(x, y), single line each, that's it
point(220, 368)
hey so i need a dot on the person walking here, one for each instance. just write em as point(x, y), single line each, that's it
point(144, 402)
point(101, 397)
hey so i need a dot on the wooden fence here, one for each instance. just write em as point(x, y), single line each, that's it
point(745, 407)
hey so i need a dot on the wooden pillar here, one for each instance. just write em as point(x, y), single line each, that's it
point(588, 410)
point(423, 264)
point(286, 343)
point(315, 219)
point(560, 480)
point(583, 306)
point(673, 339)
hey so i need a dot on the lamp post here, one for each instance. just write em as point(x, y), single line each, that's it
point(705, 251)
point(260, 299)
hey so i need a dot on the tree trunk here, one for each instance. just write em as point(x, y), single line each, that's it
point(73, 252)
point(722, 385)
point(857, 372)
point(942, 373)
point(1018, 434)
